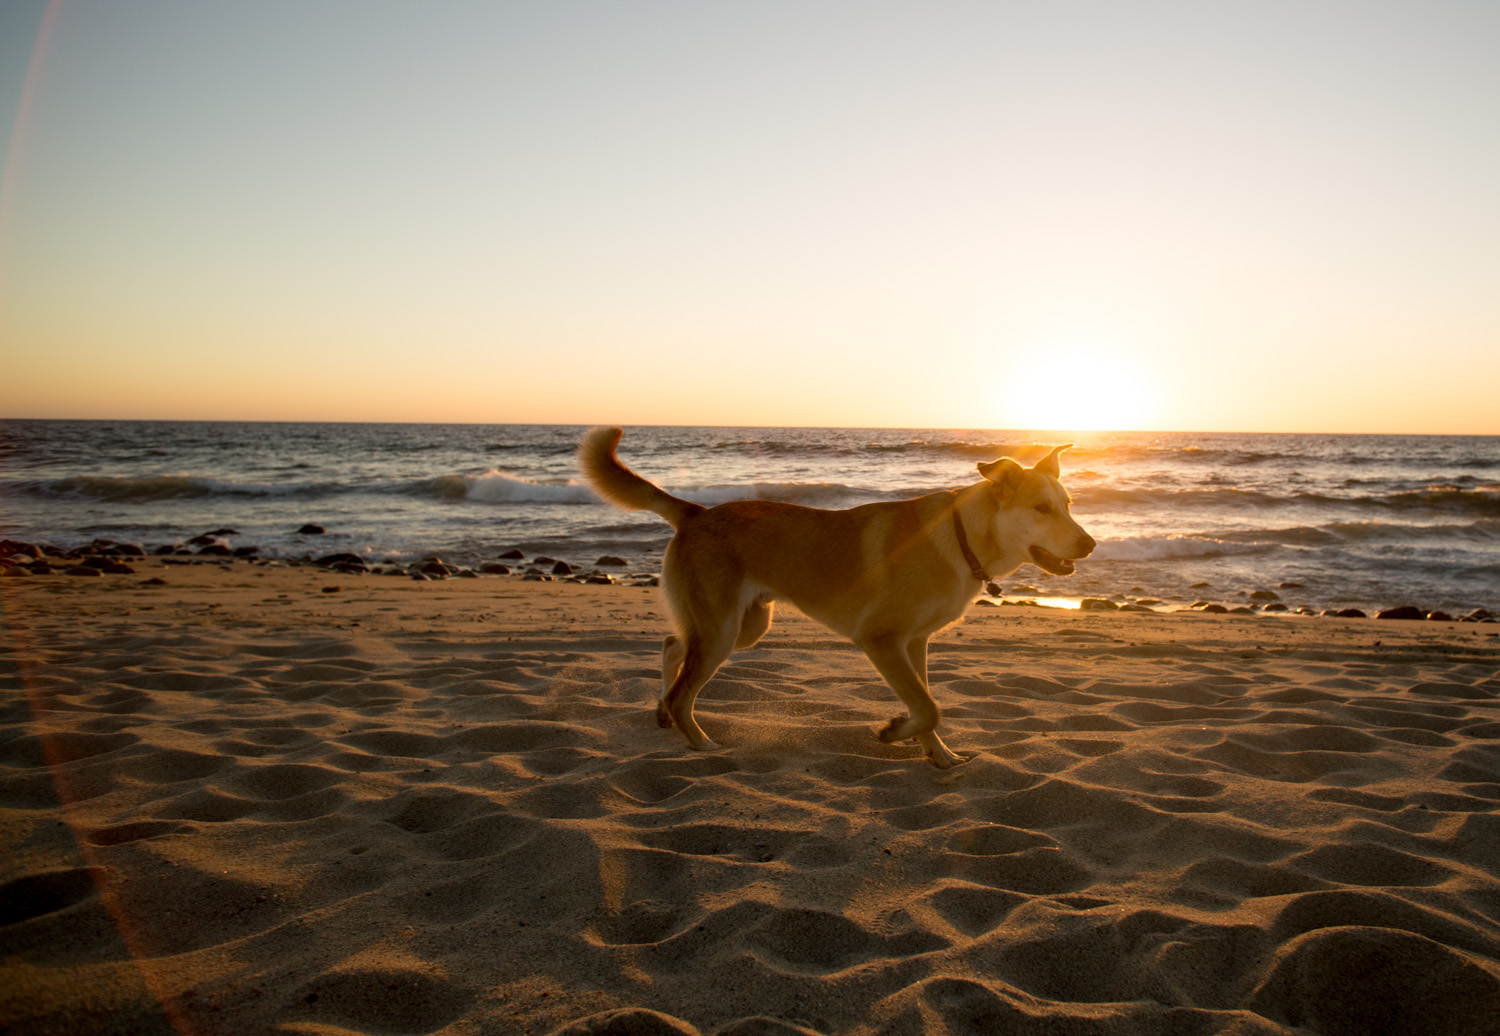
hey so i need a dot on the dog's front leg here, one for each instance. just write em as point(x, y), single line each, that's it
point(904, 667)
point(939, 754)
point(893, 659)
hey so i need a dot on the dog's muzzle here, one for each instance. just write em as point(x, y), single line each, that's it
point(1050, 562)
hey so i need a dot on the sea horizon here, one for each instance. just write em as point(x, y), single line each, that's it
point(413, 422)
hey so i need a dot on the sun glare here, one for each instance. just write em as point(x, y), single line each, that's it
point(1077, 388)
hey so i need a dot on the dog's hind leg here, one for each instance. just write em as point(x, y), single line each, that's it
point(754, 623)
point(701, 657)
point(671, 662)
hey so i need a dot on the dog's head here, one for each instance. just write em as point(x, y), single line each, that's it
point(1033, 513)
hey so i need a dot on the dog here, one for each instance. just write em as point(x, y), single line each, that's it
point(886, 575)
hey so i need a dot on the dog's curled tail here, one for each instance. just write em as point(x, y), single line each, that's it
point(622, 487)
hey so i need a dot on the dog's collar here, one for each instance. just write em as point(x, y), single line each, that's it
point(975, 569)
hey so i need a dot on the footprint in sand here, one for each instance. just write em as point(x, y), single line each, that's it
point(385, 1000)
point(973, 909)
point(35, 895)
point(1356, 981)
point(643, 921)
point(133, 832)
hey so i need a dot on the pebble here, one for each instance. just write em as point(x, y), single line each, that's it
point(1406, 611)
point(330, 560)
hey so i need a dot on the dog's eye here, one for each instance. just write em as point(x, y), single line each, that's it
point(1043, 508)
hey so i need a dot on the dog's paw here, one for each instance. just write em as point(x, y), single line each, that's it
point(895, 730)
point(698, 741)
point(946, 760)
point(663, 717)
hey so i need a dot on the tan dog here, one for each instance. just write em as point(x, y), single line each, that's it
point(886, 575)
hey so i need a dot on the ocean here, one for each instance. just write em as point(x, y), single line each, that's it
point(1366, 521)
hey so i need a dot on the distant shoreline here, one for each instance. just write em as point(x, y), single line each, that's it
point(110, 565)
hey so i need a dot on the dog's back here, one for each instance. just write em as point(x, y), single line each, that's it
point(832, 564)
point(837, 566)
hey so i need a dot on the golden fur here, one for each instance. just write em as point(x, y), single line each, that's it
point(886, 575)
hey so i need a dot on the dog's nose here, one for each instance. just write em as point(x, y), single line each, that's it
point(1087, 545)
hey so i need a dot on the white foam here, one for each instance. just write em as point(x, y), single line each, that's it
point(811, 494)
point(1149, 548)
point(496, 487)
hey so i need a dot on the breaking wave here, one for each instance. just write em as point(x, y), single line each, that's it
point(1480, 501)
point(496, 487)
point(1255, 541)
point(1156, 548)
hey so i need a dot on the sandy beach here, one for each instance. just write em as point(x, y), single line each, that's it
point(239, 802)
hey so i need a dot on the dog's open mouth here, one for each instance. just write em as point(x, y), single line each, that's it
point(1050, 562)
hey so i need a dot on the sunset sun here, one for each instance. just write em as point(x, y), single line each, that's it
point(1080, 387)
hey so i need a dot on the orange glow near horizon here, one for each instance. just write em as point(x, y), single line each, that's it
point(1079, 387)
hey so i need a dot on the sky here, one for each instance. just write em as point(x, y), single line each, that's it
point(1273, 216)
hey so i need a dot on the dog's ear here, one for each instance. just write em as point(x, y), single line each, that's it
point(1048, 464)
point(1005, 473)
